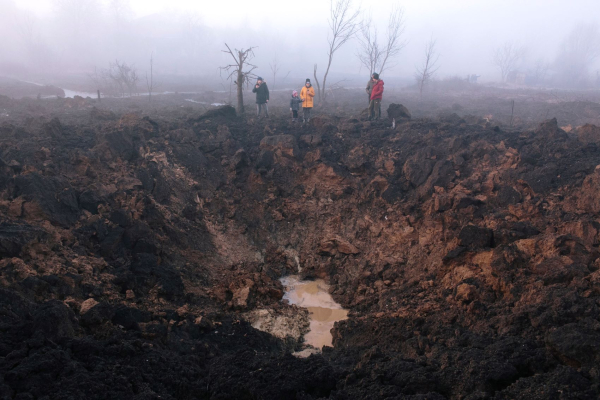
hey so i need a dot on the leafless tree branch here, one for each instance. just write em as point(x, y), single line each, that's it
point(275, 66)
point(150, 84)
point(395, 31)
point(430, 66)
point(343, 25)
point(122, 76)
point(374, 55)
point(506, 57)
point(242, 69)
point(578, 52)
point(368, 53)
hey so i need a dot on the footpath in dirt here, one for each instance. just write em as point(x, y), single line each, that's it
point(141, 256)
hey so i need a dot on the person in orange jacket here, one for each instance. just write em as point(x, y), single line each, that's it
point(376, 96)
point(306, 95)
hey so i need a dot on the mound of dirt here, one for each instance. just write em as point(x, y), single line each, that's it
point(398, 112)
point(221, 113)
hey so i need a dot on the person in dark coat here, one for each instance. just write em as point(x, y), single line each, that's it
point(295, 105)
point(262, 96)
point(369, 88)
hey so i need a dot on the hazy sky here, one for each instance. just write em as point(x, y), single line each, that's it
point(466, 31)
point(496, 15)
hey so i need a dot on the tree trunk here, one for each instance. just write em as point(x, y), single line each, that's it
point(317, 82)
point(240, 91)
point(324, 94)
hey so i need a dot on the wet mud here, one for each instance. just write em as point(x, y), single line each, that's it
point(324, 312)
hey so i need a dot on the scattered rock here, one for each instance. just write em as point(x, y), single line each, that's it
point(333, 246)
point(288, 324)
point(87, 305)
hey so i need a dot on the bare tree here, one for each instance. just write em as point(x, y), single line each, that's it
point(96, 78)
point(274, 69)
point(242, 69)
point(394, 42)
point(25, 24)
point(506, 57)
point(373, 55)
point(124, 76)
point(343, 24)
point(150, 85)
point(430, 66)
point(104, 83)
point(578, 52)
point(317, 79)
point(368, 53)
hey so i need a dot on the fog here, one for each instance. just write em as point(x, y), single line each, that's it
point(57, 40)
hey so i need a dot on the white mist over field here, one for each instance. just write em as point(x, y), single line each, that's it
point(554, 42)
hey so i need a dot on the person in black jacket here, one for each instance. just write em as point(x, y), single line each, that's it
point(262, 96)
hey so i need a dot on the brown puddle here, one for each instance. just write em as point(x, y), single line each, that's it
point(324, 311)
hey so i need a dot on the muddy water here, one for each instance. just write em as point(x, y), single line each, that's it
point(324, 311)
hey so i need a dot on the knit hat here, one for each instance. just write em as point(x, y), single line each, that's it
point(259, 78)
point(307, 80)
point(375, 75)
point(295, 93)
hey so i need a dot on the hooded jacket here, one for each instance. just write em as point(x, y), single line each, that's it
point(262, 93)
point(295, 103)
point(377, 92)
point(307, 94)
point(369, 87)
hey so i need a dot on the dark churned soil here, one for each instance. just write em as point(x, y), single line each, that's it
point(135, 239)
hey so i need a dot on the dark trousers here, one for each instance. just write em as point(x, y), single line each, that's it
point(259, 108)
point(375, 109)
point(306, 113)
point(294, 114)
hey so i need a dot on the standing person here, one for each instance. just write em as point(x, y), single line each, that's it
point(306, 95)
point(262, 96)
point(295, 105)
point(376, 96)
point(369, 88)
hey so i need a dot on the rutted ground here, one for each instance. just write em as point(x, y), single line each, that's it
point(135, 249)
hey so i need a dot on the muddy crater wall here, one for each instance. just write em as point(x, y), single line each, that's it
point(133, 244)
